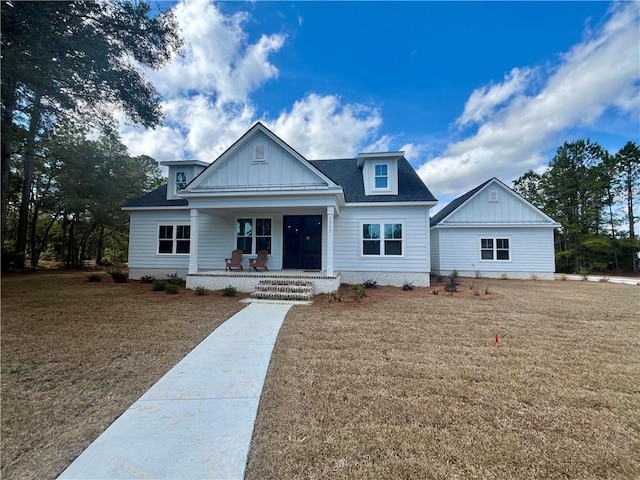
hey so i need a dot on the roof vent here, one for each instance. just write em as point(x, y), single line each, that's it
point(493, 195)
point(259, 153)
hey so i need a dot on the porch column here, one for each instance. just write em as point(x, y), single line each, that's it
point(330, 213)
point(193, 248)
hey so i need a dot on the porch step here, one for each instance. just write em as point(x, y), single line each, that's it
point(283, 289)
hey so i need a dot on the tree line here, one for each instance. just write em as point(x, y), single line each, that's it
point(66, 68)
point(594, 195)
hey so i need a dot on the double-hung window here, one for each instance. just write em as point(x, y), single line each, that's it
point(174, 239)
point(382, 239)
point(251, 240)
point(381, 176)
point(495, 249)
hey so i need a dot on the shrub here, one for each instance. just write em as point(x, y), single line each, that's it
point(174, 279)
point(435, 291)
point(487, 291)
point(117, 275)
point(147, 279)
point(332, 297)
point(407, 285)
point(504, 276)
point(370, 283)
point(200, 291)
point(452, 286)
point(94, 277)
point(454, 274)
point(604, 279)
point(475, 291)
point(534, 277)
point(357, 292)
point(171, 288)
point(229, 291)
point(584, 273)
point(157, 285)
point(563, 277)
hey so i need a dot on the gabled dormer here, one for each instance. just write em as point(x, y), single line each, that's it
point(181, 172)
point(380, 172)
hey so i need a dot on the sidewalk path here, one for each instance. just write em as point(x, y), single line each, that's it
point(600, 278)
point(196, 422)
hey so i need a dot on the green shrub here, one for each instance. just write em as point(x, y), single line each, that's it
point(504, 276)
point(407, 285)
point(357, 292)
point(333, 297)
point(171, 288)
point(584, 273)
point(229, 291)
point(200, 290)
point(454, 274)
point(452, 286)
point(157, 285)
point(174, 279)
point(94, 277)
point(117, 275)
point(147, 279)
point(370, 283)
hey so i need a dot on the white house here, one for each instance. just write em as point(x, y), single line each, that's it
point(491, 231)
point(342, 220)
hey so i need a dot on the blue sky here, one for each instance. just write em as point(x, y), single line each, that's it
point(469, 90)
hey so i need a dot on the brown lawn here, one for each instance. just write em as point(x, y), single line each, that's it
point(400, 385)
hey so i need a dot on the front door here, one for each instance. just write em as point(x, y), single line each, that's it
point(302, 242)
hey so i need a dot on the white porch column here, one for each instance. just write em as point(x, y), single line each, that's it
point(193, 248)
point(330, 214)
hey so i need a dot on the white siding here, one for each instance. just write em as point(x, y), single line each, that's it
point(509, 208)
point(531, 251)
point(435, 249)
point(279, 170)
point(415, 240)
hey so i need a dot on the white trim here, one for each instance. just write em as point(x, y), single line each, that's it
point(494, 249)
point(380, 190)
point(391, 204)
point(260, 153)
point(254, 234)
point(157, 208)
point(381, 223)
point(174, 240)
point(498, 225)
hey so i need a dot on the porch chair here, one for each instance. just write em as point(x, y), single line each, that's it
point(259, 263)
point(235, 261)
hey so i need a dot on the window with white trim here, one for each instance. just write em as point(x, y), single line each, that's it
point(382, 239)
point(251, 240)
point(381, 176)
point(174, 239)
point(260, 153)
point(495, 249)
point(181, 181)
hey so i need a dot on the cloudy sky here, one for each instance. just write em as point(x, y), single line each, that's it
point(469, 90)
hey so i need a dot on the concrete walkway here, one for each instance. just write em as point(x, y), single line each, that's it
point(601, 278)
point(197, 421)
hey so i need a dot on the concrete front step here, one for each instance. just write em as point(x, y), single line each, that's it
point(283, 289)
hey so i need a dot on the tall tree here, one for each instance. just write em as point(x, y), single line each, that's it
point(627, 164)
point(66, 62)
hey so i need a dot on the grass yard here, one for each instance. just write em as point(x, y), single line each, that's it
point(404, 384)
point(75, 355)
point(411, 385)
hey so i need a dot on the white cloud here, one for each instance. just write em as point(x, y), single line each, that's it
point(598, 74)
point(322, 127)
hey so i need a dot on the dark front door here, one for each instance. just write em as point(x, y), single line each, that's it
point(302, 247)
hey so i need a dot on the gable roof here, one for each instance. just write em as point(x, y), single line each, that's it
point(457, 203)
point(156, 198)
point(346, 173)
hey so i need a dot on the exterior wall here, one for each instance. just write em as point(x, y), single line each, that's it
point(143, 243)
point(435, 249)
point(278, 169)
point(347, 244)
point(247, 282)
point(509, 208)
point(394, 279)
point(531, 251)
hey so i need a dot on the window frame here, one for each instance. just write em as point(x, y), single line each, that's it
point(174, 238)
point(254, 234)
point(494, 249)
point(386, 177)
point(260, 147)
point(176, 183)
point(382, 240)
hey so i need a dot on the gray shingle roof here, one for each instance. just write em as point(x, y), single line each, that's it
point(346, 173)
point(455, 203)
point(157, 198)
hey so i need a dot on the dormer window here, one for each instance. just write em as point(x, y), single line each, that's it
point(259, 153)
point(381, 176)
point(181, 181)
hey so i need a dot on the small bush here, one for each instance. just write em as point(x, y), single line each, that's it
point(435, 291)
point(563, 277)
point(357, 292)
point(147, 279)
point(454, 274)
point(584, 273)
point(333, 297)
point(117, 275)
point(504, 276)
point(171, 288)
point(229, 291)
point(174, 279)
point(158, 285)
point(407, 286)
point(94, 277)
point(487, 291)
point(534, 277)
point(200, 291)
point(452, 286)
point(370, 283)
point(604, 279)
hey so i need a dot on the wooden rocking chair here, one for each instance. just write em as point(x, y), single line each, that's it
point(259, 263)
point(235, 261)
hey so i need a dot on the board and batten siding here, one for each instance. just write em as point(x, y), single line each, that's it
point(279, 169)
point(531, 250)
point(347, 238)
point(435, 249)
